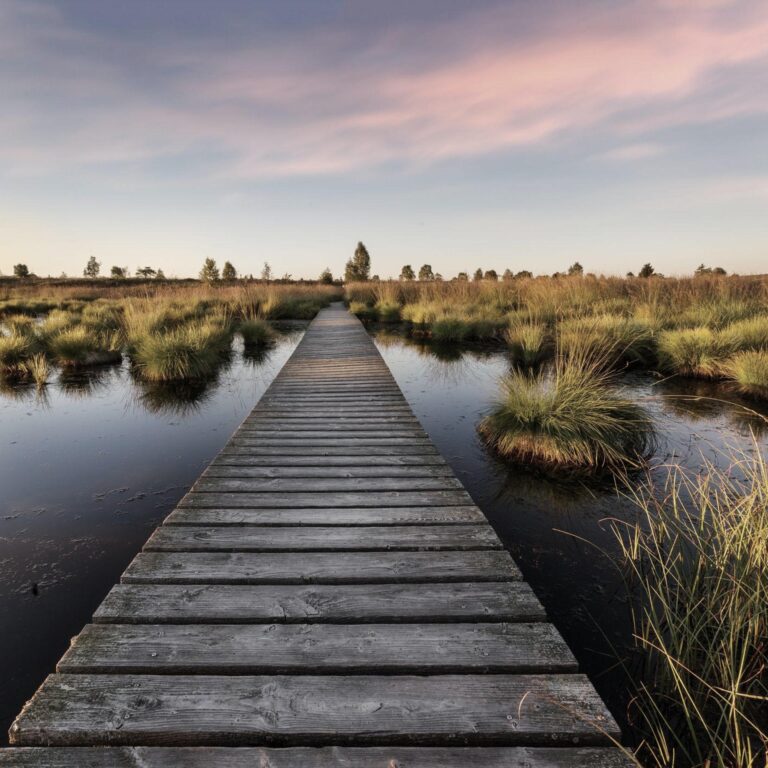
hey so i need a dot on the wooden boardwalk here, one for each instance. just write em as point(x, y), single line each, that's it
point(327, 594)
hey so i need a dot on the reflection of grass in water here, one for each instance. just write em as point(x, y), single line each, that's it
point(175, 398)
point(256, 356)
point(85, 382)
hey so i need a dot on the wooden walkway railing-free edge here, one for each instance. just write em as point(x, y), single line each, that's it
point(327, 594)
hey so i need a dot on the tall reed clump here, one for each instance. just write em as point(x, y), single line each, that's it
point(630, 341)
point(14, 352)
point(255, 332)
point(697, 569)
point(749, 371)
point(80, 346)
point(191, 351)
point(697, 352)
point(568, 419)
point(529, 344)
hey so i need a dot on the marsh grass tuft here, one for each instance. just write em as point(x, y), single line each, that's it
point(14, 352)
point(698, 352)
point(38, 368)
point(569, 419)
point(749, 371)
point(255, 332)
point(529, 343)
point(697, 570)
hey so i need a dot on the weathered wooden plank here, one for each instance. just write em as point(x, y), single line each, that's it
point(342, 516)
point(401, 428)
point(313, 757)
point(366, 709)
point(233, 482)
point(219, 468)
point(263, 649)
point(183, 538)
point(330, 440)
point(322, 603)
point(319, 500)
point(376, 455)
point(319, 567)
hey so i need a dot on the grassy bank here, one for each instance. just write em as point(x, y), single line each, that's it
point(169, 331)
point(688, 327)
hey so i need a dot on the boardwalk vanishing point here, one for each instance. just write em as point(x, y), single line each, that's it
point(327, 594)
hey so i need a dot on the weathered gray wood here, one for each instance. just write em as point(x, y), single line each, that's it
point(319, 500)
point(319, 567)
point(238, 710)
point(341, 604)
point(308, 757)
point(185, 538)
point(342, 516)
point(252, 649)
point(321, 439)
point(253, 456)
point(219, 468)
point(402, 453)
point(222, 481)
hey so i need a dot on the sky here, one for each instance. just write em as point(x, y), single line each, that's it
point(524, 134)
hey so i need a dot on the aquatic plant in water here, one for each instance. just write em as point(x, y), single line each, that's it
point(749, 371)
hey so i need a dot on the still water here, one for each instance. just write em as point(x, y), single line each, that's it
point(90, 468)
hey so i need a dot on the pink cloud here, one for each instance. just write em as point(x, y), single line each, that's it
point(316, 104)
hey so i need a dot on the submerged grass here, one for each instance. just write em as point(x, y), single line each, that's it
point(697, 568)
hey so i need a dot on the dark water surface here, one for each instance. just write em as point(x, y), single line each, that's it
point(90, 469)
point(87, 471)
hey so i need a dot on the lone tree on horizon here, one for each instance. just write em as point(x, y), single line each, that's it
point(228, 272)
point(358, 268)
point(210, 272)
point(146, 272)
point(478, 274)
point(426, 273)
point(119, 272)
point(92, 268)
point(407, 273)
point(646, 271)
point(326, 276)
point(20, 270)
point(576, 269)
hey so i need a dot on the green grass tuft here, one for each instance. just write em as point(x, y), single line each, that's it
point(529, 343)
point(749, 371)
point(568, 419)
point(698, 352)
point(255, 332)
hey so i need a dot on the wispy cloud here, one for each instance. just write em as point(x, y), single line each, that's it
point(325, 100)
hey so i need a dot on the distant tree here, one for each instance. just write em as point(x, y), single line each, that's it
point(210, 272)
point(555, 275)
point(20, 270)
point(719, 271)
point(326, 276)
point(490, 274)
point(478, 274)
point(438, 277)
point(119, 272)
point(523, 273)
point(407, 273)
point(287, 276)
point(160, 275)
point(507, 275)
point(462, 277)
point(576, 269)
point(92, 268)
point(358, 268)
point(646, 271)
point(375, 278)
point(266, 272)
point(630, 274)
point(228, 272)
point(702, 270)
point(146, 272)
point(426, 273)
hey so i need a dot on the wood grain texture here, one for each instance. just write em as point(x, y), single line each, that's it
point(213, 710)
point(228, 482)
point(307, 757)
point(319, 567)
point(321, 500)
point(178, 538)
point(323, 648)
point(322, 603)
point(327, 516)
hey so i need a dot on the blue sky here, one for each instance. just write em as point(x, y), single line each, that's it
point(510, 134)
